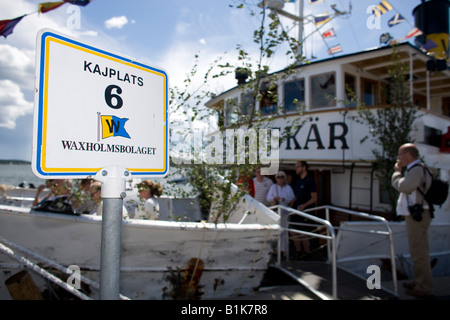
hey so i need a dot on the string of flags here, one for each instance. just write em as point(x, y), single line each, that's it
point(7, 26)
point(383, 7)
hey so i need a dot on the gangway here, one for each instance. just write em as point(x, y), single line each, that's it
point(324, 278)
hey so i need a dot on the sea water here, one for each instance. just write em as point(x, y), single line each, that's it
point(15, 174)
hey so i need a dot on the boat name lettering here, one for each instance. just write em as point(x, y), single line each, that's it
point(313, 135)
point(112, 73)
point(106, 147)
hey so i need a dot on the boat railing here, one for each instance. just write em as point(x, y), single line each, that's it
point(7, 246)
point(285, 213)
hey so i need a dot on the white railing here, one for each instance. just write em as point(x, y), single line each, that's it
point(331, 235)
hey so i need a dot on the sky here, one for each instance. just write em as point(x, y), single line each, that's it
point(169, 34)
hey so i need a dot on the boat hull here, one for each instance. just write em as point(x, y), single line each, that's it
point(154, 254)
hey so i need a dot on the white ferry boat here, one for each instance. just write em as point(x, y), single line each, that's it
point(329, 137)
point(190, 259)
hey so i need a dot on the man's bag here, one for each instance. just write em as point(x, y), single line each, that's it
point(438, 191)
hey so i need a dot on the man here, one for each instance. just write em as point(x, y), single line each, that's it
point(305, 197)
point(262, 185)
point(416, 224)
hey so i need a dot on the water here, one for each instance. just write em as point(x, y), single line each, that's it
point(14, 174)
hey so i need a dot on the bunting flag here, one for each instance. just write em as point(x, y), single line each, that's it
point(430, 44)
point(385, 38)
point(86, 2)
point(7, 26)
point(329, 33)
point(48, 6)
point(414, 32)
point(335, 49)
point(322, 19)
point(396, 19)
point(381, 8)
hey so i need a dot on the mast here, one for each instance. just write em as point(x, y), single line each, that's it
point(300, 28)
point(277, 6)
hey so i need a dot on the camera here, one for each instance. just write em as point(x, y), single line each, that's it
point(416, 212)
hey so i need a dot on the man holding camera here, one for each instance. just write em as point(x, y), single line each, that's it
point(412, 205)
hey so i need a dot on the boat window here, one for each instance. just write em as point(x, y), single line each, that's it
point(247, 105)
point(369, 92)
point(294, 95)
point(231, 112)
point(269, 98)
point(323, 91)
point(350, 90)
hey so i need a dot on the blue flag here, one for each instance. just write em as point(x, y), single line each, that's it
point(396, 19)
point(113, 126)
point(7, 26)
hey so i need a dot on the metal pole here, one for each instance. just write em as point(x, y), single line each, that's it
point(300, 28)
point(113, 191)
point(110, 249)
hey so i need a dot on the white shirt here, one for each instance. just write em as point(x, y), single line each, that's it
point(147, 210)
point(261, 189)
point(284, 192)
point(99, 210)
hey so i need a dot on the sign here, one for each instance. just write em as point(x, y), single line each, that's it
point(94, 109)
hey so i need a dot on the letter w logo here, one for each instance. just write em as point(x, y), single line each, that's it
point(113, 126)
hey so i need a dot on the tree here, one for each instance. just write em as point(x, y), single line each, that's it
point(390, 126)
point(269, 38)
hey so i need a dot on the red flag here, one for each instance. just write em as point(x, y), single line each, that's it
point(47, 6)
point(335, 49)
point(329, 33)
point(7, 26)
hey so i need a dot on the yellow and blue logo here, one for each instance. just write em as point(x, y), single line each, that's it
point(113, 126)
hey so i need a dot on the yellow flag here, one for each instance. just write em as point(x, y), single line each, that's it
point(47, 6)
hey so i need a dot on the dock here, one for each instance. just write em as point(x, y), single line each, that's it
point(311, 280)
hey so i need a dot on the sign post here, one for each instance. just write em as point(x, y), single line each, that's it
point(99, 114)
point(113, 180)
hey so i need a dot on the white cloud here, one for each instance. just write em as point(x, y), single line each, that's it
point(12, 104)
point(116, 22)
point(17, 65)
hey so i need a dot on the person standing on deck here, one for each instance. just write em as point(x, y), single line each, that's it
point(305, 197)
point(411, 204)
point(262, 185)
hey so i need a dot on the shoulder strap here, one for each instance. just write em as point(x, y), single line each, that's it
point(430, 205)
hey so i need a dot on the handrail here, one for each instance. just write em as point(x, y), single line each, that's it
point(5, 247)
point(371, 217)
point(331, 250)
point(331, 237)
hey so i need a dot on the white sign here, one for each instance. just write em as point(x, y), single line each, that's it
point(94, 109)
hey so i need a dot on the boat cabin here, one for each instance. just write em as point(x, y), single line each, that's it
point(316, 96)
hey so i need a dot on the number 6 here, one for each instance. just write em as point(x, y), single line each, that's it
point(109, 96)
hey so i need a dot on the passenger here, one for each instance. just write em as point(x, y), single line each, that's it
point(305, 197)
point(149, 208)
point(246, 184)
point(58, 188)
point(96, 197)
point(81, 198)
point(281, 193)
point(262, 185)
point(418, 221)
